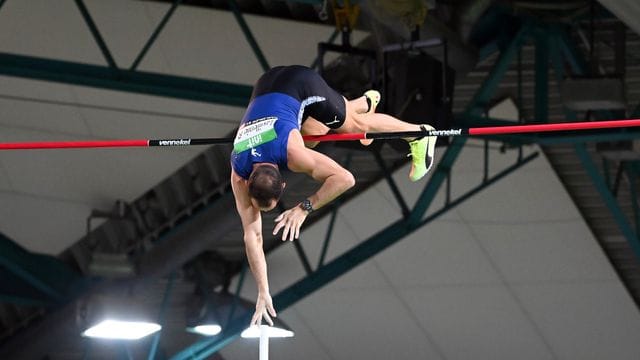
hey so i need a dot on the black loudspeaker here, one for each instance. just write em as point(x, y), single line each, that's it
point(417, 89)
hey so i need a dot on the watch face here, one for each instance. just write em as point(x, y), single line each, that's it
point(306, 205)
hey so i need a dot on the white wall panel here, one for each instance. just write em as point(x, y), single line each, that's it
point(545, 251)
point(96, 177)
point(33, 115)
point(477, 322)
point(45, 28)
point(44, 225)
point(444, 253)
point(590, 320)
point(366, 324)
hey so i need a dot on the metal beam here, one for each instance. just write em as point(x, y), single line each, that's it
point(23, 301)
point(302, 255)
point(392, 184)
point(580, 68)
point(483, 96)
point(162, 316)
point(571, 53)
point(125, 352)
point(327, 238)
point(87, 350)
point(297, 244)
point(486, 183)
point(96, 34)
point(608, 197)
point(542, 76)
point(557, 60)
point(15, 289)
point(236, 295)
point(124, 80)
point(632, 174)
point(331, 40)
point(155, 34)
point(45, 274)
point(248, 35)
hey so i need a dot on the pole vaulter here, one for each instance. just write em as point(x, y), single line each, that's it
point(479, 131)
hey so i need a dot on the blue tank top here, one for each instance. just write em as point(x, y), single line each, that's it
point(278, 109)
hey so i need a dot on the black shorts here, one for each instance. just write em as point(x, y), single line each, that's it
point(317, 99)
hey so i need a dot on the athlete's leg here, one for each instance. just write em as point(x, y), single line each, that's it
point(359, 105)
point(370, 121)
point(334, 111)
point(422, 149)
point(367, 103)
point(312, 126)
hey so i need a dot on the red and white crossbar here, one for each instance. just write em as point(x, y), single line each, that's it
point(493, 130)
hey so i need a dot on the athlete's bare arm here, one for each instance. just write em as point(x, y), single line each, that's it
point(252, 226)
point(334, 178)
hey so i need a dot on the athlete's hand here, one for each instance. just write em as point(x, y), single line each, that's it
point(290, 221)
point(264, 308)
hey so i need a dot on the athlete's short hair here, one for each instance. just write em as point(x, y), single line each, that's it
point(265, 185)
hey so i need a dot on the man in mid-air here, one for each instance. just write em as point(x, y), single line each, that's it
point(287, 102)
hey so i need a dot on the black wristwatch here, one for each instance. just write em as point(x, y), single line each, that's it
point(306, 205)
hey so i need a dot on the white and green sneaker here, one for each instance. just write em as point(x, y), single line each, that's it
point(422, 154)
point(373, 99)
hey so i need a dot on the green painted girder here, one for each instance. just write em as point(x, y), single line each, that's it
point(608, 198)
point(579, 67)
point(96, 34)
point(125, 80)
point(155, 34)
point(633, 173)
point(14, 284)
point(41, 277)
point(24, 301)
point(542, 76)
point(482, 98)
point(494, 30)
point(246, 30)
point(331, 40)
point(162, 316)
point(571, 53)
point(557, 60)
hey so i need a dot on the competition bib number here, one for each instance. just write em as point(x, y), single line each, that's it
point(255, 133)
